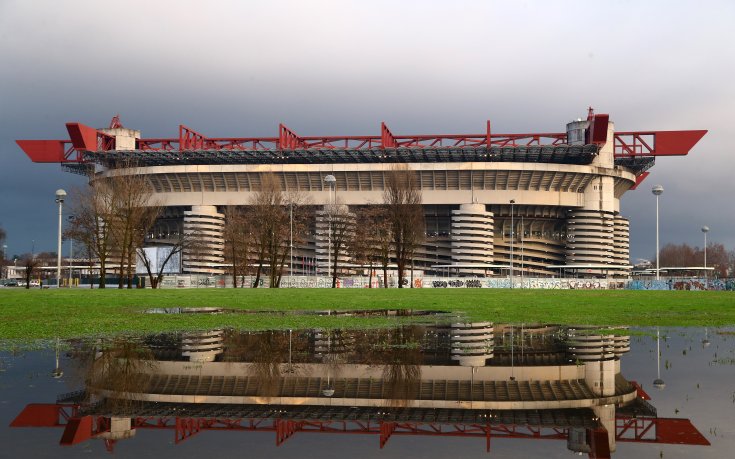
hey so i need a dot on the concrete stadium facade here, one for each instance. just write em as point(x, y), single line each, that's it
point(553, 205)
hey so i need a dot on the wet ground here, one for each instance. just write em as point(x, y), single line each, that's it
point(421, 390)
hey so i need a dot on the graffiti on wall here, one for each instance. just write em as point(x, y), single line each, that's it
point(203, 281)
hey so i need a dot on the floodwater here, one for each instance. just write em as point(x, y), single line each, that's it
point(430, 390)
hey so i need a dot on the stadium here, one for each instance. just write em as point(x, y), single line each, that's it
point(545, 203)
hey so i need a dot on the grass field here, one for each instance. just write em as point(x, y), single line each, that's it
point(41, 314)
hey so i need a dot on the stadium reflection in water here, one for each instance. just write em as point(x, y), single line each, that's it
point(480, 380)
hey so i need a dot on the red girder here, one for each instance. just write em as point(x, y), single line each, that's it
point(186, 428)
point(655, 143)
point(626, 144)
point(628, 429)
point(658, 430)
point(640, 178)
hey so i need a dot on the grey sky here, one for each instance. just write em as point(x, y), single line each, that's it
point(240, 68)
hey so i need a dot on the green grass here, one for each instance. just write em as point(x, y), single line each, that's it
point(42, 314)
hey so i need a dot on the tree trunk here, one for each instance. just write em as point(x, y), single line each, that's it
point(370, 275)
point(257, 274)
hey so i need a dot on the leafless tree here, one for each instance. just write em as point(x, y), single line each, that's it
point(175, 246)
point(93, 211)
point(342, 224)
point(270, 227)
point(402, 198)
point(238, 241)
point(270, 223)
point(134, 214)
point(29, 263)
point(371, 242)
point(684, 255)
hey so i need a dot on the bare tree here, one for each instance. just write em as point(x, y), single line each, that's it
point(299, 214)
point(342, 224)
point(238, 241)
point(684, 255)
point(270, 228)
point(93, 211)
point(134, 214)
point(402, 198)
point(176, 247)
point(29, 263)
point(371, 241)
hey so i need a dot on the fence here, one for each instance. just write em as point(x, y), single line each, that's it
point(200, 281)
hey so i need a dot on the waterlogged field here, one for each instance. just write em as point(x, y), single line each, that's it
point(41, 314)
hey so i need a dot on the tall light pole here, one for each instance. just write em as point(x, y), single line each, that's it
point(331, 181)
point(657, 191)
point(658, 383)
point(705, 230)
point(5, 255)
point(70, 218)
point(512, 224)
point(523, 264)
point(60, 195)
point(290, 237)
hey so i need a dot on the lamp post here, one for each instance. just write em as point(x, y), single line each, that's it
point(331, 181)
point(705, 230)
point(512, 223)
point(290, 238)
point(60, 195)
point(5, 255)
point(70, 218)
point(657, 190)
point(658, 383)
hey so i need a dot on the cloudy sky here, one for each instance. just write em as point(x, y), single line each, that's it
point(240, 68)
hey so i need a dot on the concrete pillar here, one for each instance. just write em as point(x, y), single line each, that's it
point(591, 229)
point(621, 240)
point(472, 237)
point(202, 346)
point(206, 254)
point(606, 417)
point(472, 343)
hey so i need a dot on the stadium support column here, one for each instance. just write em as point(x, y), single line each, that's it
point(205, 254)
point(621, 239)
point(472, 238)
point(472, 343)
point(600, 352)
point(590, 229)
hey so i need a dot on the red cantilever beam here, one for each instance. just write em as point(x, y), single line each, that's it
point(656, 143)
point(44, 151)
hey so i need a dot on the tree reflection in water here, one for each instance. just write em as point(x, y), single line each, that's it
point(119, 366)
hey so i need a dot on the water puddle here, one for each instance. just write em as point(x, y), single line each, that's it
point(417, 390)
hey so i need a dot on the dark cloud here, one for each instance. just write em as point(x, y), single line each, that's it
point(234, 68)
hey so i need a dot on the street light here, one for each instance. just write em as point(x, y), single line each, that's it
point(60, 195)
point(512, 202)
point(658, 383)
point(705, 230)
point(331, 181)
point(5, 255)
point(657, 190)
point(70, 218)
